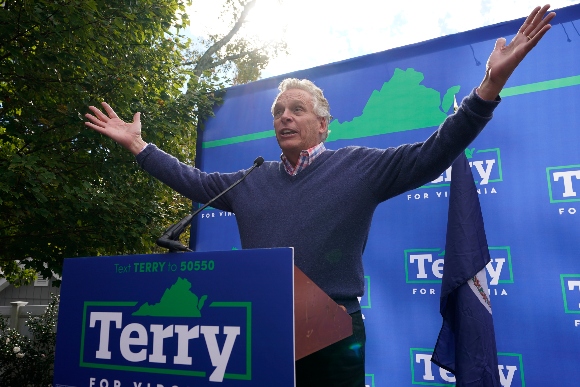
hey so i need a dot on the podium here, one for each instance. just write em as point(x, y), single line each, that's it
point(237, 317)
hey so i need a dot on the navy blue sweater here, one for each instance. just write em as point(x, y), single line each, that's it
point(325, 211)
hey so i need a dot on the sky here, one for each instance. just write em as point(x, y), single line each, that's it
point(318, 32)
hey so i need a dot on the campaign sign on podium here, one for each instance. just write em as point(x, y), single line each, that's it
point(190, 319)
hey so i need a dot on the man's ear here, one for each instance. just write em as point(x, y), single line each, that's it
point(323, 129)
point(323, 125)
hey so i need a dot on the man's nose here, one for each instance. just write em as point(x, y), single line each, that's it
point(286, 116)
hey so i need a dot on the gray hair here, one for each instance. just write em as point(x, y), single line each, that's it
point(320, 104)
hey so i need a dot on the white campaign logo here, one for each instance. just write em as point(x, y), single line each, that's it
point(563, 186)
point(135, 335)
point(484, 172)
point(437, 267)
point(506, 377)
point(566, 178)
point(424, 267)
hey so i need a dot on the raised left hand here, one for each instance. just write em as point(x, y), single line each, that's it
point(504, 59)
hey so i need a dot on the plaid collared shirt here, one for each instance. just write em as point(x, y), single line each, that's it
point(306, 158)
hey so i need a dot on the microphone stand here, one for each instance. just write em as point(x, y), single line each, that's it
point(170, 238)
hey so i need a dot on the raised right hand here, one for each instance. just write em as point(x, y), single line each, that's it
point(126, 134)
point(504, 59)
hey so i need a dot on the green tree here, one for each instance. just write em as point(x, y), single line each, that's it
point(67, 191)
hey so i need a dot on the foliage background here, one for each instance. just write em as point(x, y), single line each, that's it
point(67, 191)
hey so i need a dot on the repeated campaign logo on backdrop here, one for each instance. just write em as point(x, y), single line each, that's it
point(176, 336)
point(564, 188)
point(424, 372)
point(571, 295)
point(486, 168)
point(424, 270)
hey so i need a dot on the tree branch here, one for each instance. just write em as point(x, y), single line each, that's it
point(206, 61)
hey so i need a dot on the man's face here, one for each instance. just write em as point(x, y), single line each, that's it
point(297, 127)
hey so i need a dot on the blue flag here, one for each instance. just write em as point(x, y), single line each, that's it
point(466, 342)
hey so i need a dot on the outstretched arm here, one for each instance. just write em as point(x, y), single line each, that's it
point(126, 134)
point(504, 59)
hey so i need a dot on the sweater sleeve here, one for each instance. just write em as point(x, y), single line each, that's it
point(189, 181)
point(390, 172)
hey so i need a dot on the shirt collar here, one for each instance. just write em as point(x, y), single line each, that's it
point(306, 158)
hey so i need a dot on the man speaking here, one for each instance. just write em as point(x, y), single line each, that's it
point(321, 201)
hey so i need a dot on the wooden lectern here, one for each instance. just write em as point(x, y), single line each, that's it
point(318, 320)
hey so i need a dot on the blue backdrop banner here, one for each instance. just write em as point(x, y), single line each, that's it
point(526, 166)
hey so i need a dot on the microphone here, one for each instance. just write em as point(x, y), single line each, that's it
point(170, 238)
